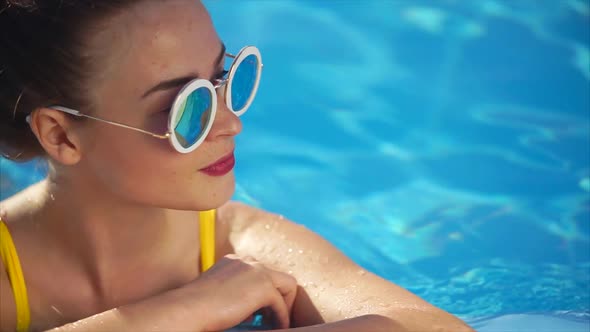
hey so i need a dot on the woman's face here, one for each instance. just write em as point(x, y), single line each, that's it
point(151, 43)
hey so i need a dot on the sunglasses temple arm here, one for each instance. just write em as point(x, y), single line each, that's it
point(126, 126)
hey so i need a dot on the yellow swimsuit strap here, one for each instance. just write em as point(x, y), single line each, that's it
point(207, 232)
point(17, 281)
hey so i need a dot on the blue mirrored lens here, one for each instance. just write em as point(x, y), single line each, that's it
point(194, 116)
point(242, 85)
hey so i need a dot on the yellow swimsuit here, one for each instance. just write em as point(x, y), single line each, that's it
point(17, 281)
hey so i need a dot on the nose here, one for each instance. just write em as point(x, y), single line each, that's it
point(226, 122)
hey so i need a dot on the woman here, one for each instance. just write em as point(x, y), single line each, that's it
point(130, 104)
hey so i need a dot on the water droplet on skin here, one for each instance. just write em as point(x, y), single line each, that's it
point(304, 285)
point(290, 250)
point(52, 197)
point(267, 226)
point(56, 310)
point(300, 251)
point(316, 295)
point(361, 272)
point(366, 299)
point(281, 217)
point(385, 305)
point(290, 272)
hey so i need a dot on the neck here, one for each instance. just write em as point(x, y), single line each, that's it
point(115, 243)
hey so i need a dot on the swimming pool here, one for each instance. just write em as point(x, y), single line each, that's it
point(444, 145)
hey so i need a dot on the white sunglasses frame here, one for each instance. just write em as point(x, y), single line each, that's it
point(189, 88)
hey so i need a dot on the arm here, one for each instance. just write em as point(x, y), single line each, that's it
point(373, 323)
point(166, 312)
point(208, 303)
point(333, 289)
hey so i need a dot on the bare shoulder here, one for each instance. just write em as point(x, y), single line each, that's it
point(280, 243)
point(247, 225)
point(20, 205)
point(240, 215)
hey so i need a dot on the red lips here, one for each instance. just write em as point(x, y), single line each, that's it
point(220, 167)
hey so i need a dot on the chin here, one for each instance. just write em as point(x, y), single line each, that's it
point(219, 193)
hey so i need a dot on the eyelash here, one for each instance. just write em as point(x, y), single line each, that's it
point(217, 77)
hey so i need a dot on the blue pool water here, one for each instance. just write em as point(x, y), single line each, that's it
point(444, 145)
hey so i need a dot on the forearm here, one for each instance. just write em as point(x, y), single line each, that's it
point(428, 320)
point(165, 312)
point(373, 323)
point(405, 321)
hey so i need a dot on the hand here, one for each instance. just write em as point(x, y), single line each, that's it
point(235, 287)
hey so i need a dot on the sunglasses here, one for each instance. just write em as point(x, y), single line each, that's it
point(193, 111)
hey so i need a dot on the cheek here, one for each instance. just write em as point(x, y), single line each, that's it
point(128, 161)
point(138, 168)
point(165, 183)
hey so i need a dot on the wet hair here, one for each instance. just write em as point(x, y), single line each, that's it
point(45, 60)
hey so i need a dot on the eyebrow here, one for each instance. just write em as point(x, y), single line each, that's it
point(180, 81)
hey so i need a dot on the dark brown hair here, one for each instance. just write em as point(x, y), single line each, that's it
point(44, 60)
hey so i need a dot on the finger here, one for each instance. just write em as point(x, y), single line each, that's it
point(287, 287)
point(281, 311)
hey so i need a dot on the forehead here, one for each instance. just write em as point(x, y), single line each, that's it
point(179, 29)
point(158, 40)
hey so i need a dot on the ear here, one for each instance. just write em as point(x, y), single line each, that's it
point(55, 132)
